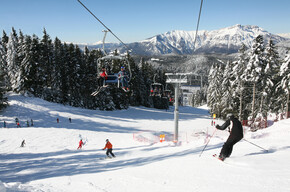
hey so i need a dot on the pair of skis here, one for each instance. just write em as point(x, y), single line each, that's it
point(104, 158)
point(95, 93)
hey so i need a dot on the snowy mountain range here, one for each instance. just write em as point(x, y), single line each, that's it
point(286, 35)
point(223, 41)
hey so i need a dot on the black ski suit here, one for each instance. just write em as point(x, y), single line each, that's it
point(236, 134)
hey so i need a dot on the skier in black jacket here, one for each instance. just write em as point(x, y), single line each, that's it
point(236, 134)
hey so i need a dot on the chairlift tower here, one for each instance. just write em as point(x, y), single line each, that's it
point(177, 79)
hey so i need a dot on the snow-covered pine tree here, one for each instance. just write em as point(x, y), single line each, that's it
point(242, 98)
point(146, 71)
point(26, 65)
point(20, 76)
point(89, 77)
point(36, 71)
point(227, 91)
point(199, 98)
point(46, 57)
point(270, 78)
point(3, 99)
point(137, 83)
point(285, 82)
point(72, 75)
point(3, 58)
point(12, 59)
point(57, 65)
point(254, 72)
point(92, 74)
point(214, 92)
point(79, 68)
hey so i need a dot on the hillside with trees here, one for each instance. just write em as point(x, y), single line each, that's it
point(253, 86)
point(63, 73)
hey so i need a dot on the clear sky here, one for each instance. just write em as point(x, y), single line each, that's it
point(136, 20)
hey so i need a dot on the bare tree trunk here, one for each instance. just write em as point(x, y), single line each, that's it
point(261, 106)
point(241, 100)
point(253, 104)
point(287, 105)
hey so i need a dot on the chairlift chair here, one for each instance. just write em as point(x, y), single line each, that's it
point(108, 60)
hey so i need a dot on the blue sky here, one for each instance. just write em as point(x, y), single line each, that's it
point(136, 20)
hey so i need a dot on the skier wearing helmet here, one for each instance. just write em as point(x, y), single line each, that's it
point(109, 148)
point(236, 134)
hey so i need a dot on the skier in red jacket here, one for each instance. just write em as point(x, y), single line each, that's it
point(103, 76)
point(80, 144)
point(109, 148)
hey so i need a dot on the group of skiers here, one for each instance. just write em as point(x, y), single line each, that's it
point(108, 146)
point(236, 134)
point(235, 129)
point(18, 123)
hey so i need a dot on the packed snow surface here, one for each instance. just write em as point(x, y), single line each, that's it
point(51, 162)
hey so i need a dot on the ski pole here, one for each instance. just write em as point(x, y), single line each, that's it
point(207, 142)
point(256, 145)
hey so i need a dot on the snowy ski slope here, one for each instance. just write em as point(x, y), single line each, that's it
point(50, 160)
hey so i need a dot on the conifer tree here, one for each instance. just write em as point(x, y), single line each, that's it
point(57, 72)
point(64, 89)
point(46, 53)
point(12, 59)
point(36, 71)
point(240, 85)
point(26, 65)
point(285, 82)
point(270, 78)
point(3, 57)
point(3, 99)
point(254, 72)
point(214, 96)
point(227, 91)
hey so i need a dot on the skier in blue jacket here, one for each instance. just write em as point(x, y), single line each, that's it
point(123, 77)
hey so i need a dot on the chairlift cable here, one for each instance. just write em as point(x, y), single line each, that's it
point(104, 25)
point(197, 23)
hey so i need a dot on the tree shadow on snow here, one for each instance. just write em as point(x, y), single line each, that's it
point(28, 167)
point(45, 114)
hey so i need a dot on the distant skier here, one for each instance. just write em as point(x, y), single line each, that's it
point(18, 125)
point(31, 122)
point(27, 122)
point(81, 143)
point(123, 77)
point(57, 120)
point(109, 148)
point(69, 120)
point(4, 124)
point(22, 143)
point(102, 77)
point(236, 134)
